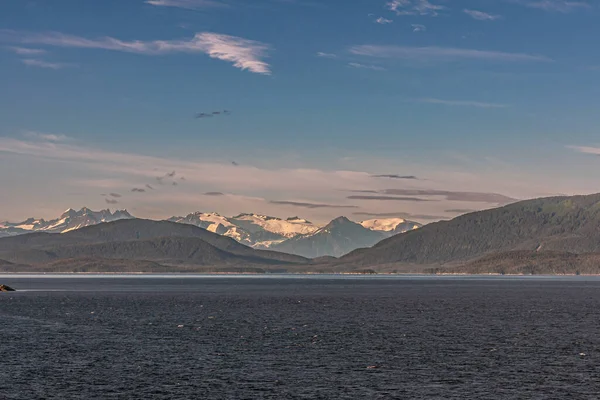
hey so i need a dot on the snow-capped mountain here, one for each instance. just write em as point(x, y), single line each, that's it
point(254, 230)
point(337, 238)
point(294, 235)
point(286, 228)
point(216, 223)
point(68, 221)
point(390, 225)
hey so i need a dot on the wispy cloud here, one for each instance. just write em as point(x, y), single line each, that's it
point(475, 197)
point(383, 21)
point(77, 166)
point(309, 205)
point(138, 190)
point(32, 62)
point(418, 28)
point(400, 214)
point(243, 53)
point(586, 149)
point(326, 55)
point(364, 66)
point(26, 51)
point(214, 194)
point(110, 201)
point(387, 198)
point(46, 137)
point(481, 16)
point(414, 7)
point(187, 4)
point(461, 103)
point(442, 54)
point(395, 176)
point(563, 6)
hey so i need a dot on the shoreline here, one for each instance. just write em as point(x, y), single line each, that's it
point(199, 274)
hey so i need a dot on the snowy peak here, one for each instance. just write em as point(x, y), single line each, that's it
point(203, 220)
point(68, 221)
point(216, 223)
point(286, 229)
point(261, 231)
point(391, 225)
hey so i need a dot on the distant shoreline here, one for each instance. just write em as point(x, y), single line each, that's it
point(199, 274)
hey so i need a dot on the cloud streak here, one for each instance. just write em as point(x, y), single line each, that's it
point(395, 176)
point(562, 6)
point(383, 21)
point(461, 103)
point(586, 149)
point(243, 53)
point(400, 214)
point(441, 54)
point(46, 137)
point(32, 62)
point(309, 205)
point(475, 197)
point(388, 198)
point(414, 7)
point(364, 66)
point(26, 51)
point(186, 4)
point(481, 16)
point(326, 55)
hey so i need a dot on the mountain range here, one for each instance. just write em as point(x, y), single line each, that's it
point(298, 236)
point(556, 225)
point(68, 221)
point(254, 230)
point(548, 235)
point(294, 235)
point(137, 245)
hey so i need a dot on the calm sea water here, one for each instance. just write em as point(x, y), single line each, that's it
point(300, 337)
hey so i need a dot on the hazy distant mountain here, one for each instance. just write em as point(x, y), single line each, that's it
point(137, 243)
point(337, 238)
point(68, 221)
point(562, 224)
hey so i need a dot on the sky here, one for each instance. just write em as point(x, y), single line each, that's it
point(422, 109)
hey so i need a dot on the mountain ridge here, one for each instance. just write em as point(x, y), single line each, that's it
point(560, 223)
point(335, 239)
point(136, 240)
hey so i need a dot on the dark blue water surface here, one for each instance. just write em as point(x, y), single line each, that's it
point(300, 337)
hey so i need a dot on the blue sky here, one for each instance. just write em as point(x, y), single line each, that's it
point(489, 96)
